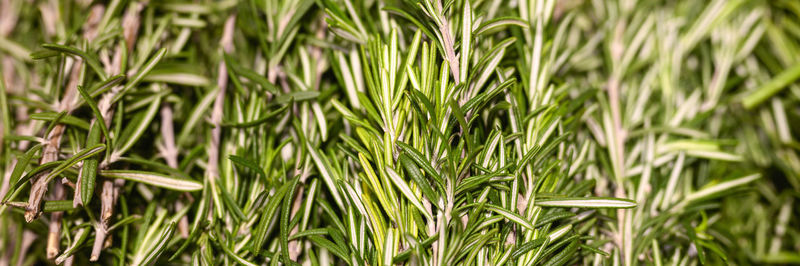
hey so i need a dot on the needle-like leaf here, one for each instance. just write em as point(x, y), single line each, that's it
point(154, 179)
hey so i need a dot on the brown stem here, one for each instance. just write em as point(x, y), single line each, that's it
point(110, 189)
point(54, 236)
point(50, 16)
point(168, 150)
point(294, 247)
point(130, 25)
point(51, 147)
point(170, 153)
point(613, 90)
point(106, 211)
point(27, 239)
point(69, 261)
point(216, 114)
point(9, 14)
point(448, 43)
point(50, 154)
point(40, 182)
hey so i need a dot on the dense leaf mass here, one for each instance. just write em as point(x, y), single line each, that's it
point(399, 132)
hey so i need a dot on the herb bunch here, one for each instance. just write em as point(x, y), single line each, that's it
point(414, 132)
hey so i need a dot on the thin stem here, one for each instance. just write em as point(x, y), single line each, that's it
point(448, 43)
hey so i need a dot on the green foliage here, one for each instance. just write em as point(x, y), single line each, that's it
point(414, 132)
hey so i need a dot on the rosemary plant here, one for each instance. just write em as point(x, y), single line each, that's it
point(399, 132)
